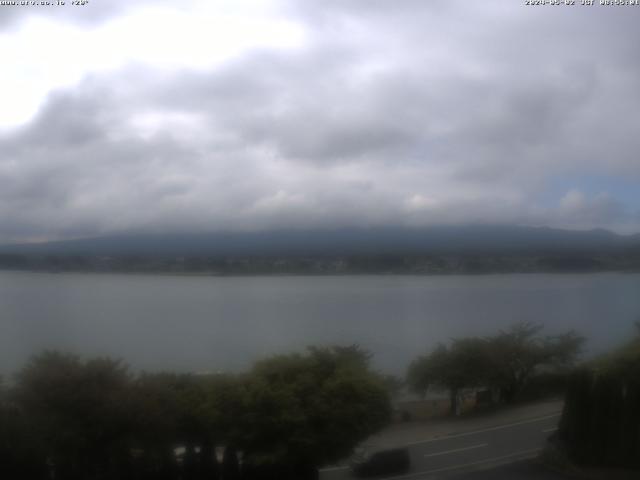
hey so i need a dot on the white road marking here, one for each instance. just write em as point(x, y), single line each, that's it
point(333, 469)
point(522, 453)
point(547, 430)
point(447, 437)
point(457, 450)
point(490, 429)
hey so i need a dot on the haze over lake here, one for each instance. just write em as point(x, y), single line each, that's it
point(225, 323)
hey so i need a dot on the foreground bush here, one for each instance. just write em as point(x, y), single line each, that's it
point(600, 425)
point(71, 419)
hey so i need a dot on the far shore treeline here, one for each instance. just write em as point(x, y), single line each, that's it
point(401, 264)
point(70, 418)
point(401, 250)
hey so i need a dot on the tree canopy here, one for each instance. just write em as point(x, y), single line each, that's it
point(94, 419)
point(313, 408)
point(505, 361)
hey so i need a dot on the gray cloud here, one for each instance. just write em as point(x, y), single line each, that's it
point(424, 113)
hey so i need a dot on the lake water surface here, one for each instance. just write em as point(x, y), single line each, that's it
point(225, 323)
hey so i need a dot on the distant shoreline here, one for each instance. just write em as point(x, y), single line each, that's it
point(212, 274)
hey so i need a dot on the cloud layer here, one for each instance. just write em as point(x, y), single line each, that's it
point(322, 114)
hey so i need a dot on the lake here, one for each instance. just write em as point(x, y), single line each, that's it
point(225, 323)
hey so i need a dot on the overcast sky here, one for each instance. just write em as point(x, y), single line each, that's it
point(159, 116)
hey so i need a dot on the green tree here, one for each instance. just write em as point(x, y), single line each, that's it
point(462, 364)
point(177, 411)
point(306, 410)
point(92, 420)
point(520, 352)
point(80, 413)
point(506, 361)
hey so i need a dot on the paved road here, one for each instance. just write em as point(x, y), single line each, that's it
point(471, 450)
point(521, 470)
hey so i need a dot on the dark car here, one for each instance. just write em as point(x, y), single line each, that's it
point(384, 462)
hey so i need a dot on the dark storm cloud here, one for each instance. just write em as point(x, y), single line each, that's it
point(418, 113)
